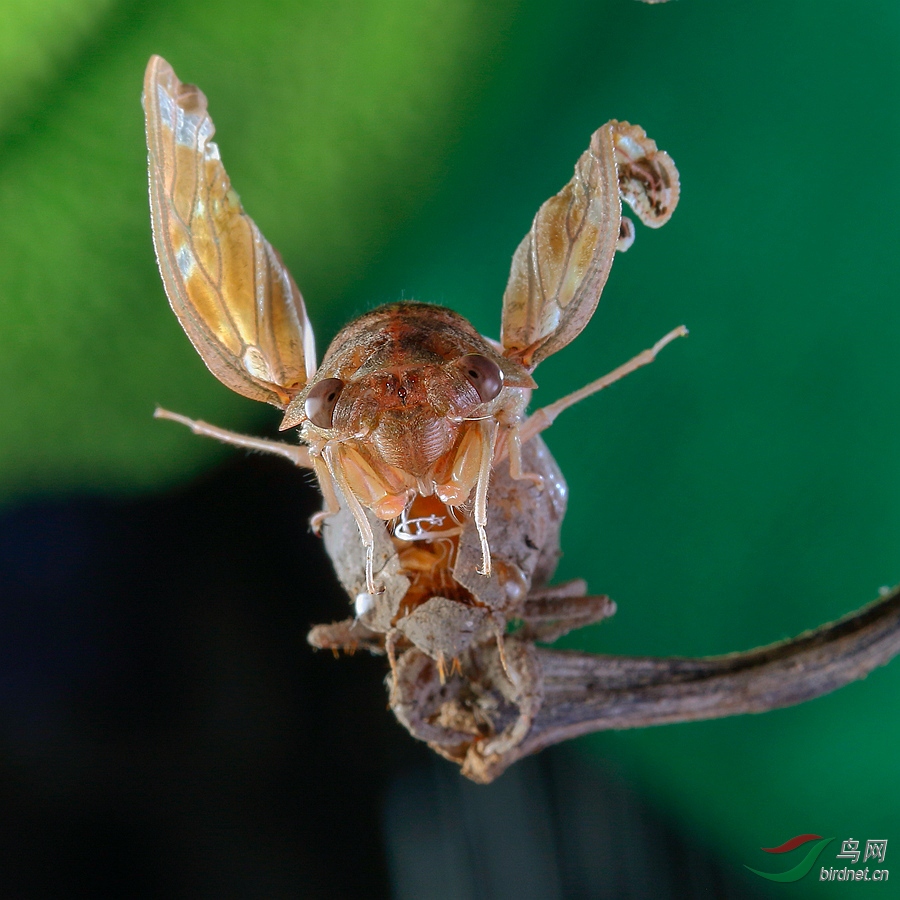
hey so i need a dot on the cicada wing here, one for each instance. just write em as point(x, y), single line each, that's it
point(560, 268)
point(229, 288)
point(648, 179)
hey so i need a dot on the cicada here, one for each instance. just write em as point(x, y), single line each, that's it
point(411, 413)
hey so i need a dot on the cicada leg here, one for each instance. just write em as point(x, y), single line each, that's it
point(514, 449)
point(297, 454)
point(522, 667)
point(362, 520)
point(550, 612)
point(543, 418)
point(329, 495)
point(390, 648)
point(468, 467)
point(489, 436)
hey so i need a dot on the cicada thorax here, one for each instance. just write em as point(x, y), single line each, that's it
point(387, 472)
point(406, 404)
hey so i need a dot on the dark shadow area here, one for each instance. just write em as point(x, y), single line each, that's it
point(166, 731)
point(554, 826)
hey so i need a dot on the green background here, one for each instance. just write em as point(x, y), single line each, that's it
point(744, 488)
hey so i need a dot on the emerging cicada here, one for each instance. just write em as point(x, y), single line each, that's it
point(411, 410)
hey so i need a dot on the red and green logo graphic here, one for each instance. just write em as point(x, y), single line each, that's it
point(805, 864)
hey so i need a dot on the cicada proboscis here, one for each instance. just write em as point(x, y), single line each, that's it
point(412, 414)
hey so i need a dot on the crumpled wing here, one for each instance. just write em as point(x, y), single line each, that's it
point(229, 288)
point(648, 179)
point(560, 268)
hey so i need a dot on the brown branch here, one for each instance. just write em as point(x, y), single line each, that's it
point(584, 692)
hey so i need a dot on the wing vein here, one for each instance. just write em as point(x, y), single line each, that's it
point(228, 287)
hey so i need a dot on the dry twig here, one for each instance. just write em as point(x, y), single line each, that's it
point(584, 692)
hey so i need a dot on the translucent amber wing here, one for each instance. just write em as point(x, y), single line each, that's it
point(229, 288)
point(560, 268)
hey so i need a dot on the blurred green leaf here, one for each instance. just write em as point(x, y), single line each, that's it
point(334, 119)
point(37, 42)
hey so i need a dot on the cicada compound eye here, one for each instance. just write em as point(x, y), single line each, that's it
point(321, 401)
point(483, 374)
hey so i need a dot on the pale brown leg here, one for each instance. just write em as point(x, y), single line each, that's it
point(521, 666)
point(550, 612)
point(362, 520)
point(441, 667)
point(329, 495)
point(499, 633)
point(514, 449)
point(544, 418)
point(298, 455)
point(347, 635)
point(390, 647)
point(489, 436)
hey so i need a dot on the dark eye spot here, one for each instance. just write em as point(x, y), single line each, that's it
point(483, 374)
point(321, 401)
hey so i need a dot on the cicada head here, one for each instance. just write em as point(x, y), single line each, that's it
point(400, 401)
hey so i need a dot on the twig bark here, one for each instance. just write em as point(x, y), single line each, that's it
point(584, 693)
